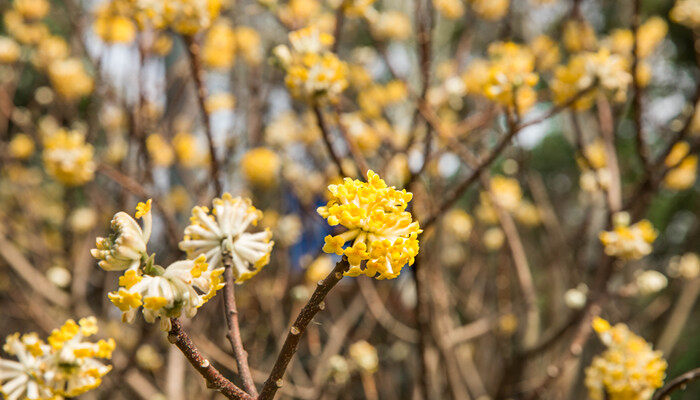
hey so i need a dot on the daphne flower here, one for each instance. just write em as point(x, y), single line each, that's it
point(312, 70)
point(73, 367)
point(191, 16)
point(628, 370)
point(383, 234)
point(650, 282)
point(167, 292)
point(21, 379)
point(364, 355)
point(68, 158)
point(224, 230)
point(629, 242)
point(125, 247)
point(66, 366)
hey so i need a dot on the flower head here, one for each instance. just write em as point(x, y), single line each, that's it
point(629, 242)
point(68, 158)
point(179, 289)
point(628, 370)
point(312, 71)
point(73, 367)
point(383, 234)
point(65, 366)
point(191, 16)
point(125, 247)
point(223, 231)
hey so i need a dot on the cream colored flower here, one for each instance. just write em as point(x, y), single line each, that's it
point(224, 231)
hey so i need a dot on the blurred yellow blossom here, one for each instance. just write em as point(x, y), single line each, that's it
point(686, 12)
point(364, 355)
point(490, 9)
point(219, 49)
point(578, 36)
point(66, 366)
point(68, 158)
point(628, 369)
point(21, 146)
point(9, 50)
point(319, 268)
point(628, 242)
point(313, 73)
point(159, 150)
point(191, 16)
point(31, 9)
point(248, 44)
point(260, 166)
point(70, 79)
point(451, 9)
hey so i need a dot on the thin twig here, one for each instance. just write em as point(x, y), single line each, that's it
point(193, 50)
point(325, 134)
point(642, 148)
point(234, 330)
point(289, 348)
point(497, 150)
point(215, 379)
point(676, 384)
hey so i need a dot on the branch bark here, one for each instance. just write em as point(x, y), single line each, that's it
point(289, 348)
point(214, 378)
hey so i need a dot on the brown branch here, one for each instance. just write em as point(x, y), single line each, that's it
point(193, 50)
point(338, 30)
point(642, 148)
point(214, 378)
point(234, 330)
point(497, 150)
point(355, 152)
point(678, 383)
point(289, 348)
point(325, 134)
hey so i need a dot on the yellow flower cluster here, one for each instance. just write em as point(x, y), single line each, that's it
point(374, 98)
point(609, 71)
point(364, 355)
point(68, 158)
point(450, 9)
point(21, 146)
point(114, 22)
point(628, 369)
point(313, 72)
point(223, 42)
point(684, 167)
point(9, 50)
point(383, 234)
point(492, 10)
point(191, 16)
point(628, 242)
point(189, 151)
point(579, 36)
point(223, 232)
point(23, 21)
point(179, 289)
point(65, 366)
point(595, 176)
point(70, 79)
point(507, 78)
point(686, 12)
point(389, 25)
point(261, 166)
